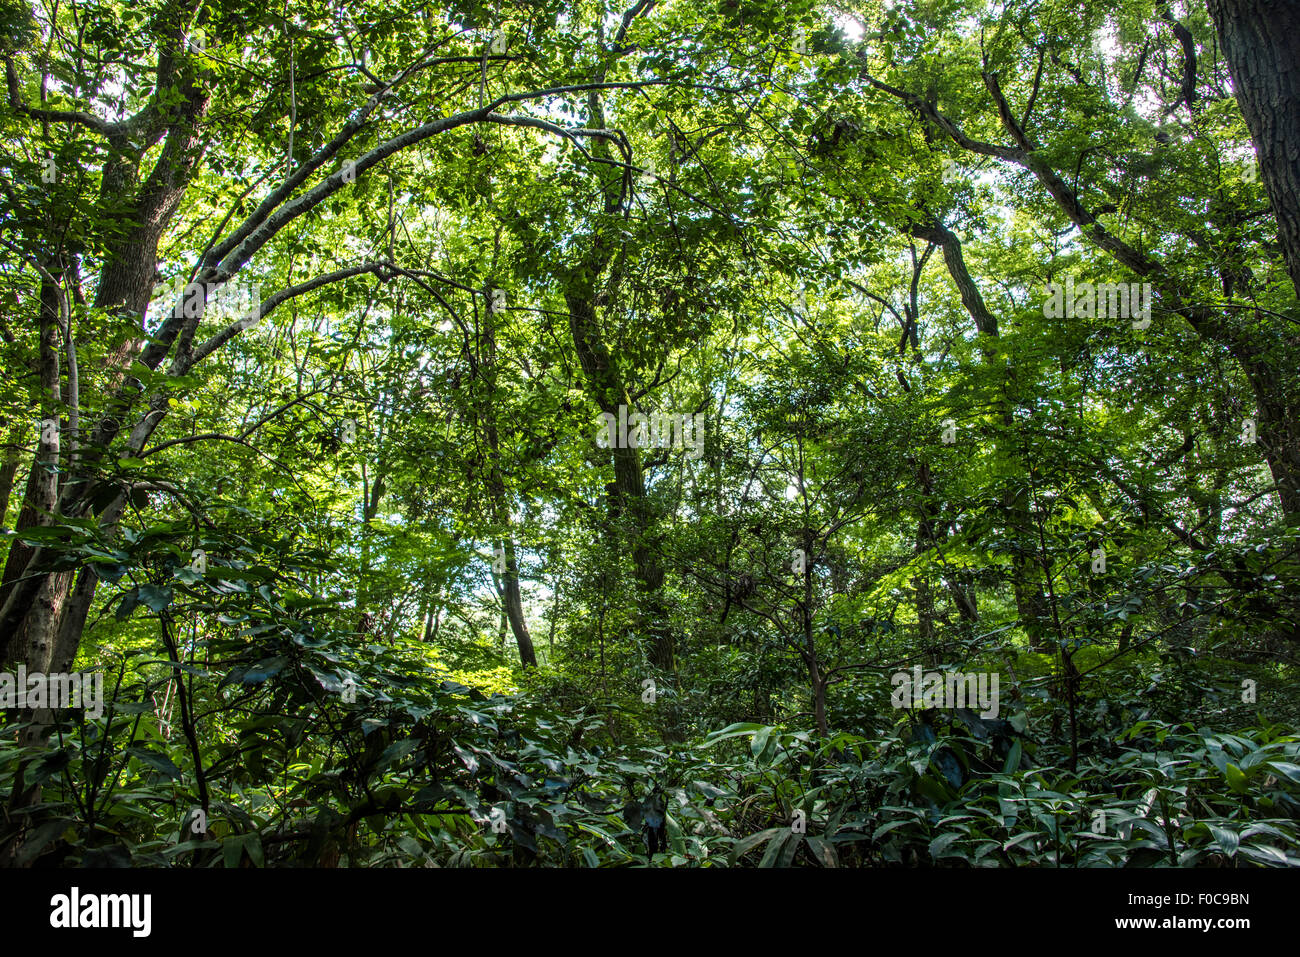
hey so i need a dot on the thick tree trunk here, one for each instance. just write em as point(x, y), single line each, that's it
point(1261, 42)
point(36, 628)
point(629, 494)
point(605, 384)
point(125, 289)
point(33, 642)
point(1278, 423)
point(817, 681)
point(1265, 347)
point(921, 583)
point(962, 587)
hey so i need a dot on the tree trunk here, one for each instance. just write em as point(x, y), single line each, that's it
point(508, 587)
point(606, 386)
point(125, 289)
point(32, 642)
point(512, 598)
point(816, 679)
point(33, 639)
point(1261, 42)
point(1278, 423)
point(629, 499)
point(1262, 348)
point(9, 469)
point(961, 586)
point(921, 582)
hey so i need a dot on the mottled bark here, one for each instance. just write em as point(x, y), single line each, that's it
point(36, 621)
point(125, 289)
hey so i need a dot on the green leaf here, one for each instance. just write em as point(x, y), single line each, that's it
point(398, 750)
point(759, 742)
point(1012, 764)
point(155, 597)
point(889, 826)
point(184, 846)
point(601, 832)
point(675, 836)
point(108, 571)
point(772, 856)
point(1019, 839)
point(939, 846)
point(266, 668)
point(232, 849)
point(1266, 854)
point(732, 731)
point(253, 844)
point(823, 851)
point(154, 759)
point(39, 839)
point(466, 758)
point(1288, 770)
point(132, 707)
point(1228, 840)
point(410, 846)
point(935, 790)
point(789, 850)
point(747, 844)
point(129, 603)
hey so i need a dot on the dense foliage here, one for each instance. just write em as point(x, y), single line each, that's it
point(547, 434)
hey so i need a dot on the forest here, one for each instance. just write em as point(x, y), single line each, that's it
point(658, 434)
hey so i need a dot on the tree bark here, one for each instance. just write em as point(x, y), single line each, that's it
point(125, 289)
point(1261, 42)
point(33, 641)
point(628, 498)
point(508, 586)
point(9, 469)
point(512, 599)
